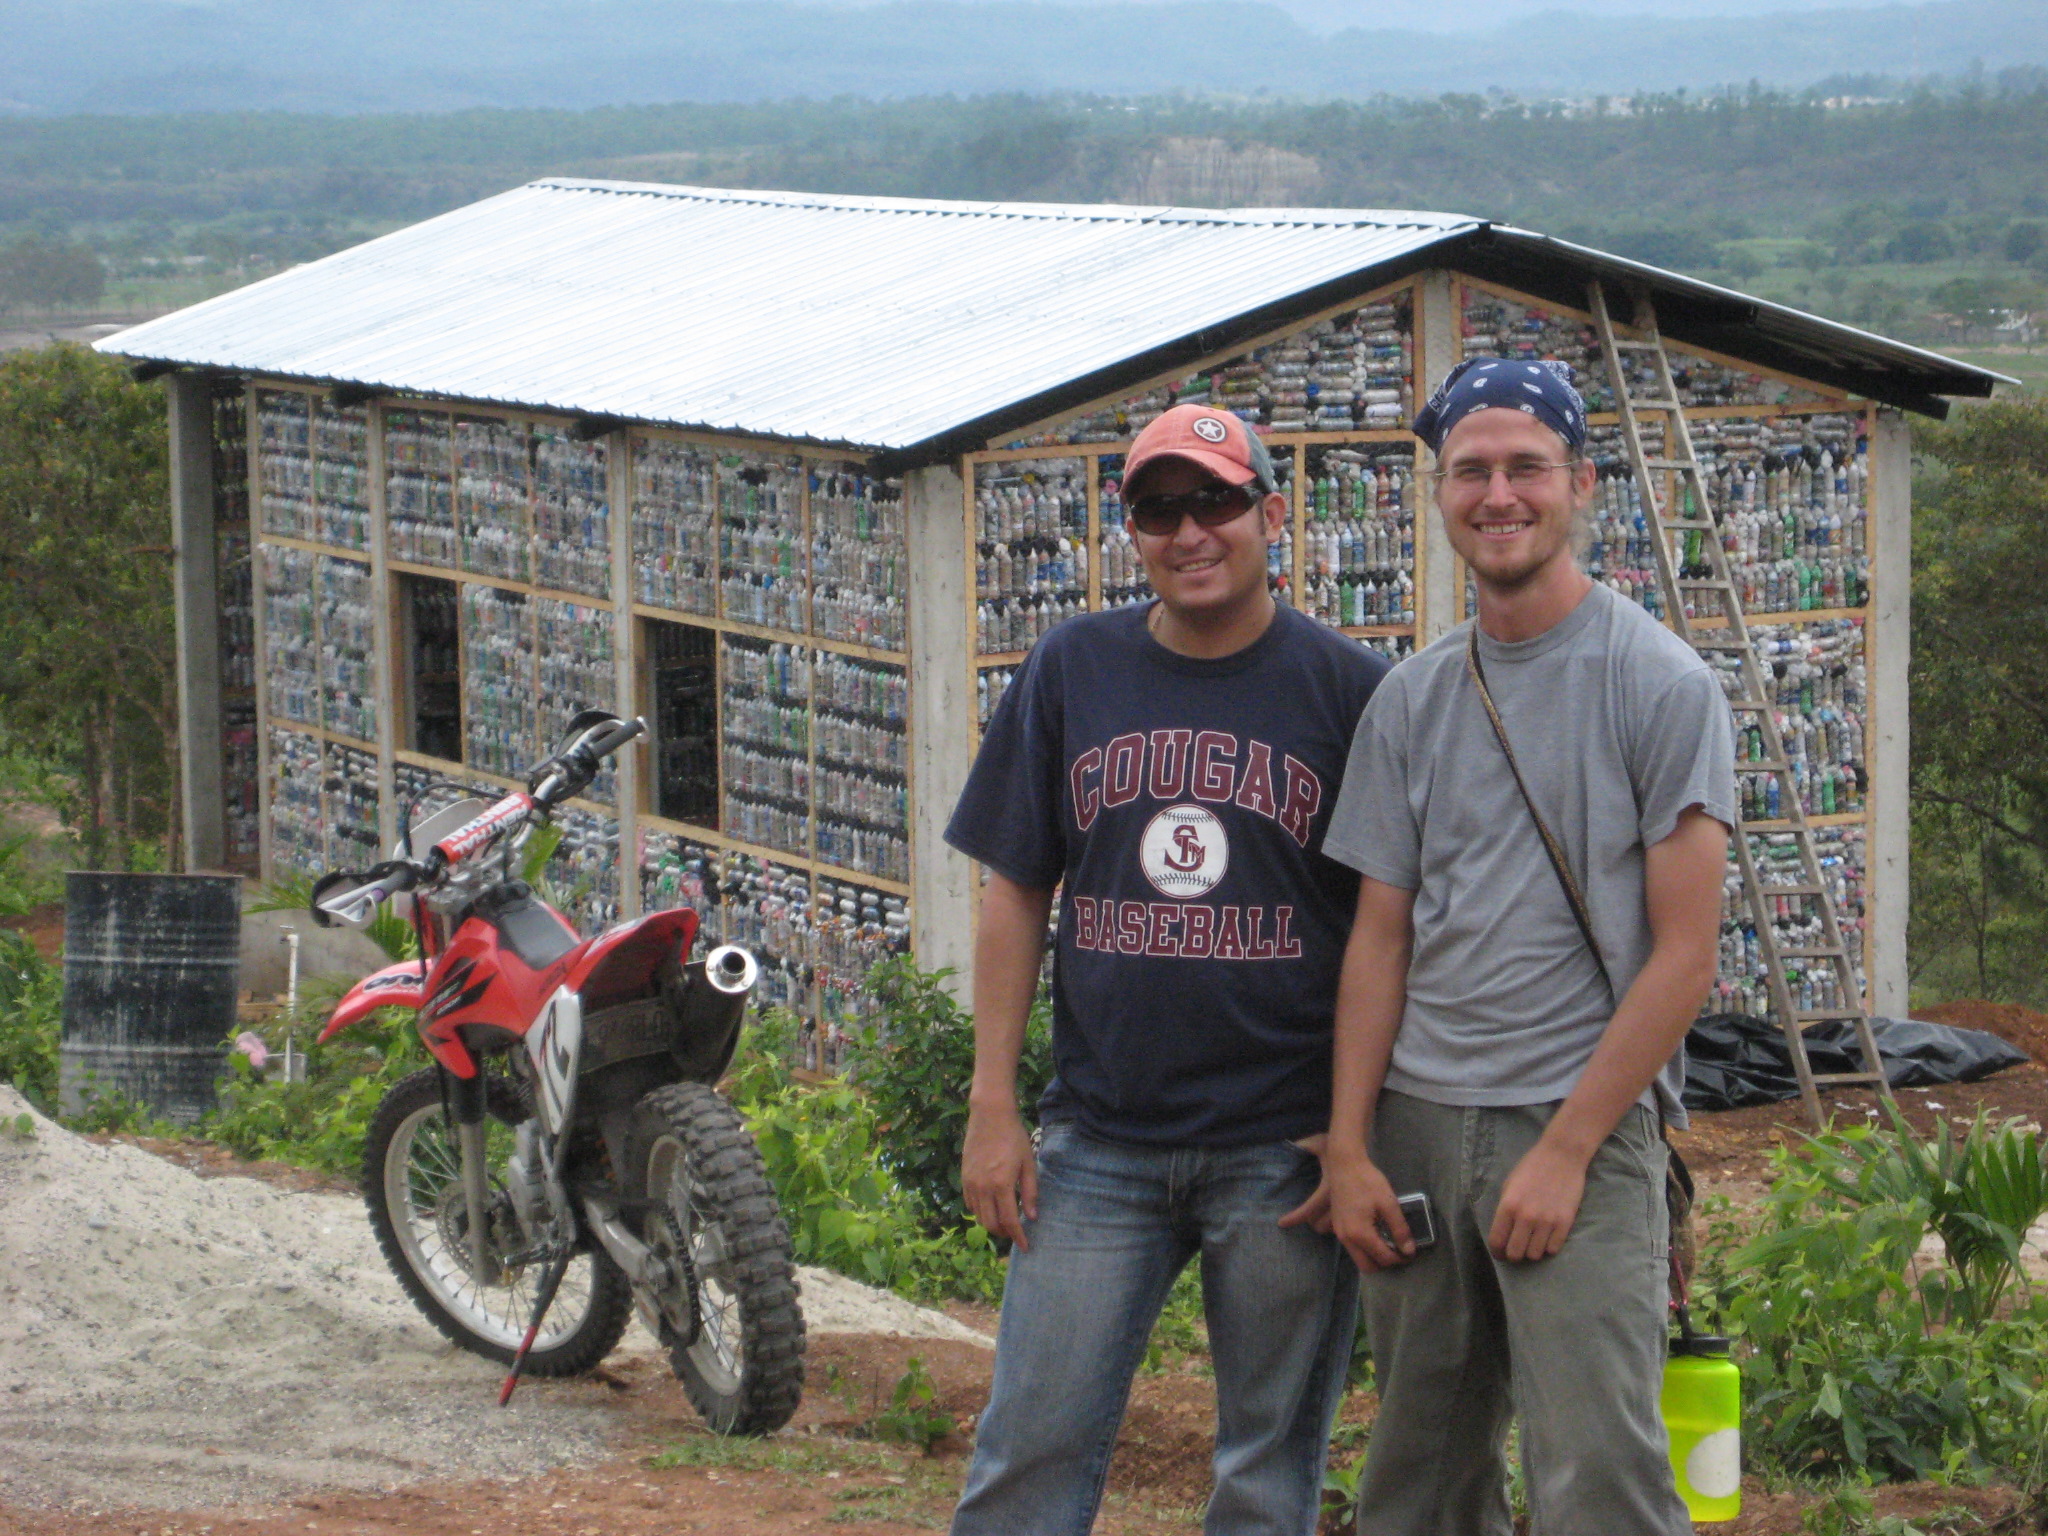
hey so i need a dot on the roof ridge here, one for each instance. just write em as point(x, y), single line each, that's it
point(1116, 213)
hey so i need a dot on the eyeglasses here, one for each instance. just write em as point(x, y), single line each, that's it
point(1210, 508)
point(1523, 474)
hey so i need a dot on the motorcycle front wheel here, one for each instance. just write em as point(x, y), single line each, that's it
point(412, 1183)
point(730, 1320)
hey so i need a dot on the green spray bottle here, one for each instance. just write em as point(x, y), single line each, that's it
point(1702, 1406)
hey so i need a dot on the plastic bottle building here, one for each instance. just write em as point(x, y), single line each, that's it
point(760, 540)
point(419, 487)
point(1031, 549)
point(348, 648)
point(859, 559)
point(675, 507)
point(498, 688)
point(576, 672)
point(341, 474)
point(291, 653)
point(284, 463)
point(572, 524)
point(493, 491)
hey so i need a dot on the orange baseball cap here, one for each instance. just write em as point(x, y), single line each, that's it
point(1210, 439)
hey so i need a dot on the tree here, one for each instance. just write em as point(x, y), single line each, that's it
point(43, 274)
point(88, 676)
point(1980, 697)
point(2024, 239)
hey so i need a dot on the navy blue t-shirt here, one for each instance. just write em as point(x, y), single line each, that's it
point(1180, 802)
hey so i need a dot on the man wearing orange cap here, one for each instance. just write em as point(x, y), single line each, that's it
point(1168, 767)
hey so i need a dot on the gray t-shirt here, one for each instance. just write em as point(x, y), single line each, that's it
point(1619, 726)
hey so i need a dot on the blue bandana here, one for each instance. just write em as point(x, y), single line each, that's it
point(1543, 390)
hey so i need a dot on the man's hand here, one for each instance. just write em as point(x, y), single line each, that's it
point(1538, 1205)
point(999, 1172)
point(1355, 1201)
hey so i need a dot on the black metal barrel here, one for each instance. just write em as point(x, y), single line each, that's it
point(151, 963)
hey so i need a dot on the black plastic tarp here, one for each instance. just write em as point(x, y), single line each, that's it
point(1736, 1059)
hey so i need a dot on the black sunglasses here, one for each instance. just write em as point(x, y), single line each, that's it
point(1210, 508)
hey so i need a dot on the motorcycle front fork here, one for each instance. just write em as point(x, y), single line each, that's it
point(466, 1097)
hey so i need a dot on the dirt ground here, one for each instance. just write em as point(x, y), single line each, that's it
point(826, 1472)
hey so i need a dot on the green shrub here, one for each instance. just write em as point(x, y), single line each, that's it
point(323, 1121)
point(916, 1068)
point(31, 1015)
point(1859, 1356)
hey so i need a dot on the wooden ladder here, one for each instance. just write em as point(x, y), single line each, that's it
point(1693, 562)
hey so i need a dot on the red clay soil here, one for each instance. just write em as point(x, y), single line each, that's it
point(2009, 1021)
point(43, 927)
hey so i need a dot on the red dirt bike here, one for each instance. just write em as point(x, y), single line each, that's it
point(566, 1159)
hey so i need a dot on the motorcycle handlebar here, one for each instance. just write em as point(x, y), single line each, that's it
point(356, 905)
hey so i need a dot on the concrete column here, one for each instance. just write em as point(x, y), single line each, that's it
point(196, 593)
point(941, 720)
point(1436, 327)
point(1889, 644)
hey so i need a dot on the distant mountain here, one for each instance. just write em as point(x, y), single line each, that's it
point(350, 56)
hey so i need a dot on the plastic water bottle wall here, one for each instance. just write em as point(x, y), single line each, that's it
point(860, 566)
point(767, 689)
point(349, 807)
point(760, 540)
point(240, 775)
point(990, 684)
point(1741, 986)
point(816, 941)
point(348, 647)
point(290, 649)
point(572, 520)
point(675, 497)
point(1393, 647)
point(852, 930)
point(493, 491)
point(863, 765)
point(1352, 371)
point(298, 837)
point(1496, 327)
point(284, 463)
point(676, 872)
point(1358, 565)
point(234, 592)
point(577, 672)
point(498, 684)
point(1123, 574)
point(1030, 551)
point(419, 494)
point(1818, 681)
point(584, 873)
point(341, 474)
point(237, 609)
point(1791, 494)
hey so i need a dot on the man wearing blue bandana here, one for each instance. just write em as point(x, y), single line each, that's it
point(1508, 1031)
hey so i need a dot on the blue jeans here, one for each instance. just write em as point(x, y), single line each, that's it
point(1116, 1224)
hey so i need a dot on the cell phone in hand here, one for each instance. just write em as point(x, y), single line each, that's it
point(1420, 1215)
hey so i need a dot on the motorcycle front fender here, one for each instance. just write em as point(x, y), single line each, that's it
point(396, 986)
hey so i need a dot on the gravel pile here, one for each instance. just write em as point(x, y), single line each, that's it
point(169, 1341)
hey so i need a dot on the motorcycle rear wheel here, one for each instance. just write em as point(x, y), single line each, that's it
point(412, 1183)
point(693, 1158)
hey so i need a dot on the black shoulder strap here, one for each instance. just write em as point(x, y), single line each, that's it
point(1551, 845)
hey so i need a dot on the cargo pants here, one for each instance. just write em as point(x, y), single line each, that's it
point(1572, 1345)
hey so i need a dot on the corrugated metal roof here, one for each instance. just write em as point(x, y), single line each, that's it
point(867, 321)
point(874, 322)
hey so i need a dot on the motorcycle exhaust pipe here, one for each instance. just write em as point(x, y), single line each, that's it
point(714, 999)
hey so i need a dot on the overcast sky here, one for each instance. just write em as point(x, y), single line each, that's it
point(1478, 15)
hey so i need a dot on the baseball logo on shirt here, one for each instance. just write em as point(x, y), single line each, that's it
point(1209, 429)
point(1184, 851)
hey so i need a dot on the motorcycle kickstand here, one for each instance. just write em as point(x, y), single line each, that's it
point(549, 1286)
